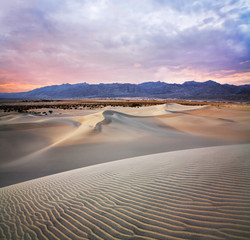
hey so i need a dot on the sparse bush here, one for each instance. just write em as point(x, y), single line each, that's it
point(135, 105)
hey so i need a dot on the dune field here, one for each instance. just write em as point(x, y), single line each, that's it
point(167, 171)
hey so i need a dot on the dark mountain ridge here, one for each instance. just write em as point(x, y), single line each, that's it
point(208, 90)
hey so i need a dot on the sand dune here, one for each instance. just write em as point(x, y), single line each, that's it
point(30, 136)
point(160, 172)
point(53, 144)
point(188, 194)
point(227, 124)
point(156, 110)
point(46, 145)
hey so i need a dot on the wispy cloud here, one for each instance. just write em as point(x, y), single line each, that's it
point(53, 42)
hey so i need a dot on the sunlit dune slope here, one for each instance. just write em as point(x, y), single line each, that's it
point(187, 194)
point(211, 122)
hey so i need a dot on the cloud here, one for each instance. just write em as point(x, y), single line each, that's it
point(95, 40)
point(137, 65)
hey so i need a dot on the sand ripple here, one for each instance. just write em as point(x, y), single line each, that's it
point(189, 194)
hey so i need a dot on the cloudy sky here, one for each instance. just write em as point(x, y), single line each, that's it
point(70, 41)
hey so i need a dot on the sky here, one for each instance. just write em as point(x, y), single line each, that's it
point(52, 42)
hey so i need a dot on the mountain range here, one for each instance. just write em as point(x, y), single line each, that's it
point(208, 90)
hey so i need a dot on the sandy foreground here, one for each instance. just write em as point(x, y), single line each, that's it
point(161, 172)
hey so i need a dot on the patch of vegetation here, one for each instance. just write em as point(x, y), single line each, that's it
point(26, 106)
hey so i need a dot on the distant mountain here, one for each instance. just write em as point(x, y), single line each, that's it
point(208, 90)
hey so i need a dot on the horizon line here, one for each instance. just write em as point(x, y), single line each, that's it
point(171, 83)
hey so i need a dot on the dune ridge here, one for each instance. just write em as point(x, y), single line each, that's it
point(195, 193)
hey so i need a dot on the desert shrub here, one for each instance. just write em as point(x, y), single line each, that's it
point(135, 105)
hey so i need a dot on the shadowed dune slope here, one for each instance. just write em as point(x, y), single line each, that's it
point(191, 194)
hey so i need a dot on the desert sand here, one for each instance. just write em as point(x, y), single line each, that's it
point(159, 172)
